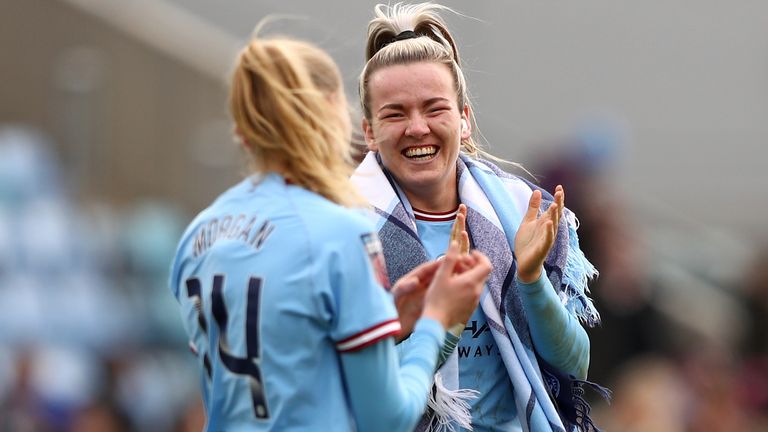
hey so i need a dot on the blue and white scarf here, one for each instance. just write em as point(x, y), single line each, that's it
point(496, 203)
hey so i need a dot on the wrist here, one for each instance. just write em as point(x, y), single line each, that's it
point(529, 277)
point(438, 316)
point(457, 329)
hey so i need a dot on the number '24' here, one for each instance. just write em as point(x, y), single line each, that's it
point(248, 366)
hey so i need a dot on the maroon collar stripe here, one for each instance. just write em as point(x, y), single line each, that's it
point(423, 215)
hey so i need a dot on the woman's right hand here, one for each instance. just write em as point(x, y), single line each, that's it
point(455, 290)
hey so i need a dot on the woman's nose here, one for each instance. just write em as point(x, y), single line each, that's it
point(417, 126)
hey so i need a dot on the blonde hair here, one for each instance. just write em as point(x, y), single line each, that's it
point(433, 43)
point(287, 103)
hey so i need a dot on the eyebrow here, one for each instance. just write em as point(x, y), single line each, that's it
point(398, 106)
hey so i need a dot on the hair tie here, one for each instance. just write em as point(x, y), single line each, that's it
point(407, 34)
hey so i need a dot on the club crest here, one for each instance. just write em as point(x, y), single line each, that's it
point(375, 253)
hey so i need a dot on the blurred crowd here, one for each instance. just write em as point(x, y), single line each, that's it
point(91, 339)
point(668, 371)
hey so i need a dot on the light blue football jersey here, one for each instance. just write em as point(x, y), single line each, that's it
point(480, 364)
point(274, 282)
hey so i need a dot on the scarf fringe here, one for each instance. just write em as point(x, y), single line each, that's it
point(584, 422)
point(567, 393)
point(577, 273)
point(450, 408)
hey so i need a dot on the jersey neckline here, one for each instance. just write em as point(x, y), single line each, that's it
point(426, 216)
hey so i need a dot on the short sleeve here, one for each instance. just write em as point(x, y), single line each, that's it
point(364, 312)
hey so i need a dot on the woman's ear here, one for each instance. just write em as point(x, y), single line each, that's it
point(466, 128)
point(240, 138)
point(368, 133)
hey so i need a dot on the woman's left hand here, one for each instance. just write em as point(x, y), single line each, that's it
point(536, 235)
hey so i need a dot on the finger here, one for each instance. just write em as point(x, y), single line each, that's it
point(560, 200)
point(448, 262)
point(459, 225)
point(404, 286)
point(413, 299)
point(479, 272)
point(533, 206)
point(455, 229)
point(553, 213)
point(465, 263)
point(463, 235)
point(463, 211)
point(425, 271)
point(464, 243)
point(547, 215)
point(542, 240)
point(480, 258)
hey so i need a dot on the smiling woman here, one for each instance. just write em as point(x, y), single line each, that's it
point(525, 343)
point(418, 127)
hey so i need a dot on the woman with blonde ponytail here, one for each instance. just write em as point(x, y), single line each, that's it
point(281, 280)
point(520, 361)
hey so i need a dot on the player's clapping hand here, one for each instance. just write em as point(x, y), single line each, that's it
point(536, 235)
point(409, 292)
point(456, 286)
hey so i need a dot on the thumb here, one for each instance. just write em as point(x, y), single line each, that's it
point(405, 286)
point(533, 206)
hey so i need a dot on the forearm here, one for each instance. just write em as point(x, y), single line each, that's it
point(449, 345)
point(558, 336)
point(387, 394)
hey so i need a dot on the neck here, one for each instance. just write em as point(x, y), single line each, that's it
point(439, 200)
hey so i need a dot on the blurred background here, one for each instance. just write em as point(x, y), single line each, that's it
point(114, 133)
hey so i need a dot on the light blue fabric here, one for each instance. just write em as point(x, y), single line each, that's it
point(557, 335)
point(496, 204)
point(480, 366)
point(274, 282)
point(401, 391)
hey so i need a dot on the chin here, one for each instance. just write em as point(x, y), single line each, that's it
point(422, 181)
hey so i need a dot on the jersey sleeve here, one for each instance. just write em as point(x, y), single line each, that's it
point(400, 387)
point(557, 335)
point(364, 312)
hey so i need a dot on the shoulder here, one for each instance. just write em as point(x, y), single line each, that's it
point(518, 188)
point(487, 168)
point(327, 221)
point(220, 215)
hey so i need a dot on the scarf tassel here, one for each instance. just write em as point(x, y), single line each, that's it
point(450, 408)
point(576, 275)
point(582, 420)
point(567, 393)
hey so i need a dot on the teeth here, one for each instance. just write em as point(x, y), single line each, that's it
point(420, 151)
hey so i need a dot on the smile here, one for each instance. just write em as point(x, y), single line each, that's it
point(425, 152)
